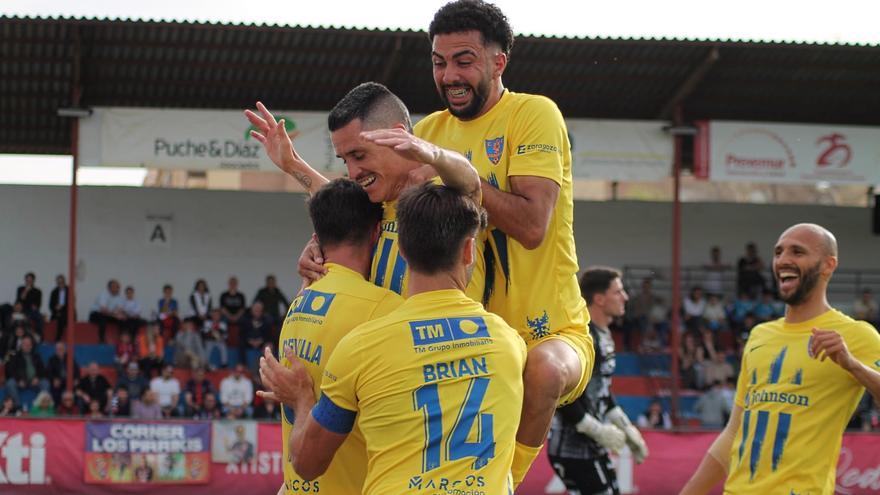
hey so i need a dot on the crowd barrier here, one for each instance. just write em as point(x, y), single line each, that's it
point(199, 457)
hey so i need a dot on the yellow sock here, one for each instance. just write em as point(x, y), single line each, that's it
point(523, 457)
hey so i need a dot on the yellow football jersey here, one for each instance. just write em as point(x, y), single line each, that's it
point(437, 389)
point(315, 323)
point(389, 269)
point(536, 291)
point(795, 407)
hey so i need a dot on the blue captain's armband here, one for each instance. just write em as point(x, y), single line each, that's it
point(333, 417)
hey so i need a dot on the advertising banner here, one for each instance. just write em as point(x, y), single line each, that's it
point(620, 150)
point(787, 153)
point(154, 453)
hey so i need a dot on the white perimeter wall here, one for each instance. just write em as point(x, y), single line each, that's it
point(219, 233)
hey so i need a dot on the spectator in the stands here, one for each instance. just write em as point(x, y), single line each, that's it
point(866, 308)
point(151, 350)
point(767, 309)
point(125, 352)
point(167, 390)
point(236, 390)
point(131, 307)
point(67, 406)
point(200, 300)
point(133, 380)
point(25, 371)
point(232, 303)
point(749, 272)
point(188, 349)
point(147, 407)
point(215, 331)
point(210, 409)
point(44, 406)
point(712, 407)
point(58, 299)
point(18, 318)
point(254, 331)
point(267, 409)
point(728, 390)
point(651, 342)
point(693, 308)
point(235, 413)
point(691, 357)
point(120, 404)
point(94, 410)
point(108, 309)
point(717, 368)
point(715, 315)
point(31, 299)
point(12, 340)
point(169, 317)
point(57, 371)
point(715, 268)
point(655, 417)
point(658, 318)
point(93, 387)
point(198, 386)
point(742, 306)
point(638, 310)
point(9, 408)
point(275, 303)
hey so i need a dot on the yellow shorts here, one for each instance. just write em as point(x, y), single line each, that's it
point(579, 339)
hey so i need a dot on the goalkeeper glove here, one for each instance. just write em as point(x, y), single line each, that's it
point(606, 435)
point(633, 438)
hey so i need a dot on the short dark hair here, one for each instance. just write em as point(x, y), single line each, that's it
point(374, 104)
point(597, 280)
point(342, 213)
point(473, 15)
point(167, 286)
point(31, 275)
point(433, 222)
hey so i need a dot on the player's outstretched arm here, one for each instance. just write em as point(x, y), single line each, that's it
point(453, 168)
point(713, 467)
point(830, 344)
point(279, 148)
point(524, 213)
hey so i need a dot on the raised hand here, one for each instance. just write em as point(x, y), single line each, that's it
point(274, 138)
point(285, 385)
point(405, 144)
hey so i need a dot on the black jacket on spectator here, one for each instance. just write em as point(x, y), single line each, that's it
point(58, 369)
point(198, 390)
point(16, 367)
point(254, 328)
point(54, 296)
point(96, 388)
point(272, 300)
point(32, 301)
point(134, 386)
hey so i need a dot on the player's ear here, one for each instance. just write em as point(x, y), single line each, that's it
point(829, 265)
point(499, 61)
point(468, 253)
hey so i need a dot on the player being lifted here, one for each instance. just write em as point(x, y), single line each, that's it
point(435, 385)
point(800, 381)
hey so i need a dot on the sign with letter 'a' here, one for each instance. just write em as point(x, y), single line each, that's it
point(158, 231)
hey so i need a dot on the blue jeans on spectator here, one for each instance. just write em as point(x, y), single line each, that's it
point(13, 390)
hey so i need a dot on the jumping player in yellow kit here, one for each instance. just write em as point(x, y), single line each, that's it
point(519, 145)
point(346, 224)
point(435, 385)
point(801, 379)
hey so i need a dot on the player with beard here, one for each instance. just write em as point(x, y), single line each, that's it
point(584, 431)
point(800, 381)
point(519, 145)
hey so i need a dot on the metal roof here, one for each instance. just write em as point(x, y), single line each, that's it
point(195, 65)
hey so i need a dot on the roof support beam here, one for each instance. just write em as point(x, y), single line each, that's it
point(391, 64)
point(690, 84)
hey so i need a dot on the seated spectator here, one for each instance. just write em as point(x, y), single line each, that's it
point(8, 408)
point(120, 404)
point(254, 331)
point(151, 350)
point(651, 343)
point(12, 340)
point(147, 407)
point(742, 306)
point(17, 318)
point(108, 309)
point(714, 315)
point(25, 371)
point(94, 410)
point(133, 313)
point(658, 317)
point(766, 309)
point(31, 300)
point(235, 413)
point(58, 307)
point(210, 409)
point(168, 312)
point(712, 407)
point(94, 388)
point(655, 417)
point(188, 408)
point(133, 381)
point(125, 352)
point(693, 308)
point(44, 406)
point(58, 371)
point(691, 358)
point(199, 386)
point(866, 308)
point(214, 334)
point(274, 301)
point(200, 301)
point(232, 303)
point(236, 390)
point(717, 369)
point(749, 272)
point(167, 390)
point(67, 405)
point(188, 349)
point(267, 410)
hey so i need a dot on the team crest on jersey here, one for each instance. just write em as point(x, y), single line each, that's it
point(494, 148)
point(540, 327)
